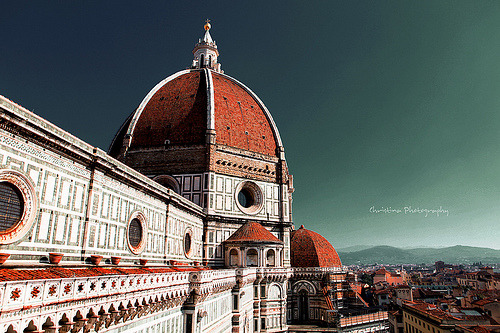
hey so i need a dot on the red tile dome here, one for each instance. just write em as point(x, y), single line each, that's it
point(310, 249)
point(181, 109)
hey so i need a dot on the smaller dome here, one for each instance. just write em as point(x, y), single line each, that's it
point(310, 249)
point(253, 232)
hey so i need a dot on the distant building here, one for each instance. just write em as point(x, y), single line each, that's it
point(483, 279)
point(427, 318)
point(392, 278)
point(490, 306)
point(403, 293)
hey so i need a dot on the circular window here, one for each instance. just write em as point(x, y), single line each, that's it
point(11, 206)
point(249, 197)
point(18, 206)
point(245, 198)
point(137, 228)
point(188, 243)
point(135, 232)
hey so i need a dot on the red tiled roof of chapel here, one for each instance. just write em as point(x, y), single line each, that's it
point(253, 232)
point(310, 249)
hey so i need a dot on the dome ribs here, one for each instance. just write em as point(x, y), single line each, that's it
point(173, 129)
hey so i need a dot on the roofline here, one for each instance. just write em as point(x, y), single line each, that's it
point(125, 123)
point(255, 241)
point(88, 155)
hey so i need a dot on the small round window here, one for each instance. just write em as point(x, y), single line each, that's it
point(249, 197)
point(188, 243)
point(137, 229)
point(135, 232)
point(11, 206)
point(245, 198)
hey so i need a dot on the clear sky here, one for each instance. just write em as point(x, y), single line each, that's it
point(379, 103)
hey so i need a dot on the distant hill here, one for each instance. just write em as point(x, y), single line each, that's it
point(354, 248)
point(392, 255)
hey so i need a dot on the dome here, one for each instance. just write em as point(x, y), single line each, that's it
point(253, 232)
point(310, 249)
point(184, 108)
point(198, 121)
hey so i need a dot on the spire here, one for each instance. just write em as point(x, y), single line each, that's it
point(205, 51)
point(207, 38)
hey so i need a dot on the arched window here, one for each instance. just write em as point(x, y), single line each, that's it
point(303, 306)
point(169, 182)
point(252, 258)
point(202, 61)
point(270, 258)
point(233, 257)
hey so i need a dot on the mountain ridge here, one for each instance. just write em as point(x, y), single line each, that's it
point(384, 254)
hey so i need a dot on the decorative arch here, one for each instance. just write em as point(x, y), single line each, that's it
point(12, 329)
point(169, 182)
point(275, 291)
point(252, 258)
point(31, 327)
point(234, 257)
point(271, 258)
point(49, 325)
point(305, 285)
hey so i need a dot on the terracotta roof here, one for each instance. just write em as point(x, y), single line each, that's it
point(431, 310)
point(357, 288)
point(425, 293)
point(239, 120)
point(310, 249)
point(10, 274)
point(179, 110)
point(482, 302)
point(402, 286)
point(176, 112)
point(253, 232)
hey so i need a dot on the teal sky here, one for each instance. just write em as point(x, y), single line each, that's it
point(379, 103)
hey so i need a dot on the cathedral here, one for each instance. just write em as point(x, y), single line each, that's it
point(184, 225)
